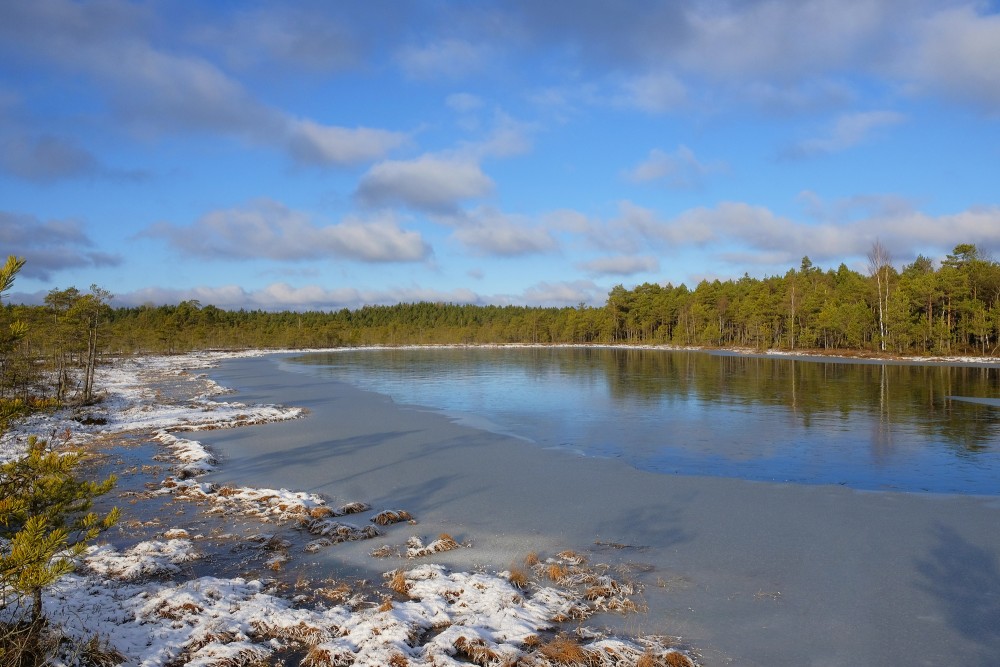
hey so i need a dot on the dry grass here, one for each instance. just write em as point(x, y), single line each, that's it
point(531, 560)
point(384, 551)
point(398, 660)
point(398, 582)
point(563, 650)
point(388, 517)
point(572, 557)
point(415, 548)
point(99, 654)
point(353, 508)
point(476, 650)
point(677, 659)
point(557, 571)
point(517, 577)
point(320, 512)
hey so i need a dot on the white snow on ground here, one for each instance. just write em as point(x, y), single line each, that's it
point(210, 621)
point(142, 611)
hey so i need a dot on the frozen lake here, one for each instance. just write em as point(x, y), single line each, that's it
point(873, 426)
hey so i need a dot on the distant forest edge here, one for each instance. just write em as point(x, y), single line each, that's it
point(953, 308)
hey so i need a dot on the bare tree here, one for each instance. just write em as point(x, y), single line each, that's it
point(879, 264)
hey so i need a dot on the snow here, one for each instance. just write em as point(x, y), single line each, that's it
point(147, 609)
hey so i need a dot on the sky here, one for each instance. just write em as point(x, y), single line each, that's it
point(327, 155)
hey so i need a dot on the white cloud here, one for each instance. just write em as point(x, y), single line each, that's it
point(283, 296)
point(266, 229)
point(488, 231)
point(50, 246)
point(680, 169)
point(656, 92)
point(570, 293)
point(464, 102)
point(312, 143)
point(621, 265)
point(957, 52)
point(155, 91)
point(430, 183)
point(848, 131)
point(450, 58)
point(747, 235)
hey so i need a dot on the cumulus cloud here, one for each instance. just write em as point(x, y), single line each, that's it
point(291, 35)
point(957, 52)
point(748, 235)
point(621, 265)
point(487, 231)
point(45, 158)
point(429, 183)
point(156, 92)
point(265, 229)
point(848, 131)
point(569, 293)
point(283, 296)
point(50, 246)
point(451, 58)
point(678, 170)
point(313, 143)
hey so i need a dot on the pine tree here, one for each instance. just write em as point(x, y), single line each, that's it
point(46, 523)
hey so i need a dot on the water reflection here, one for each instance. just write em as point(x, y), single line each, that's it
point(867, 425)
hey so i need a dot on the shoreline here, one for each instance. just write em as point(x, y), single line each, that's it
point(165, 601)
point(749, 573)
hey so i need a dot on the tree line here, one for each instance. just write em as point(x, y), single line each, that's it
point(918, 309)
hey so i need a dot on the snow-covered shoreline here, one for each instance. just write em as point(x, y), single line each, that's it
point(144, 607)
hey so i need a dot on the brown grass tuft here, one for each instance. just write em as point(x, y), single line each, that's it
point(556, 571)
point(531, 560)
point(318, 657)
point(320, 512)
point(398, 660)
point(476, 650)
point(563, 650)
point(572, 557)
point(353, 508)
point(398, 582)
point(518, 577)
point(387, 517)
point(678, 659)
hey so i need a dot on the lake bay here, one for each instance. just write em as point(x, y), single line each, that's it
point(865, 425)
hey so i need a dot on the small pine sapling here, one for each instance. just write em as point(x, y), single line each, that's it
point(46, 523)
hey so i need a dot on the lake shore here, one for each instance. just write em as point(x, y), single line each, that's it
point(748, 573)
point(744, 573)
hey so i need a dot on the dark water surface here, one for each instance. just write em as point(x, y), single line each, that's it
point(879, 426)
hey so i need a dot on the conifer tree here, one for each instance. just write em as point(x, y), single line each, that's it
point(46, 523)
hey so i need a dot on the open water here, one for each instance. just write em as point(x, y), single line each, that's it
point(876, 426)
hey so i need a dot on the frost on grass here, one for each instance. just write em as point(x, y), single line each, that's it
point(143, 560)
point(387, 517)
point(415, 547)
point(437, 618)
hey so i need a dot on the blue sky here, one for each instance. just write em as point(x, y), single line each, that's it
point(318, 155)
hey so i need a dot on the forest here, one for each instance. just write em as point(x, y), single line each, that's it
point(920, 309)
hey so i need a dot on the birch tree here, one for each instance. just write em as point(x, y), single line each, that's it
point(879, 267)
